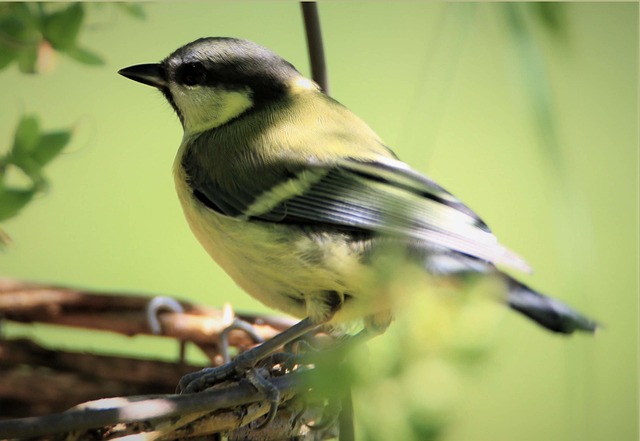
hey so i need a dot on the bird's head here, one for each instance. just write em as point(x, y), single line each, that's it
point(213, 80)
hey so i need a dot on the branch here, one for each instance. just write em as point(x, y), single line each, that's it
point(314, 45)
point(42, 381)
point(39, 381)
point(127, 314)
point(212, 411)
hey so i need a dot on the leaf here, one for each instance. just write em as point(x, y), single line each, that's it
point(27, 60)
point(551, 15)
point(12, 201)
point(19, 36)
point(61, 28)
point(29, 166)
point(27, 134)
point(85, 56)
point(50, 145)
point(26, 138)
point(133, 9)
point(23, 12)
point(6, 57)
point(534, 75)
point(19, 24)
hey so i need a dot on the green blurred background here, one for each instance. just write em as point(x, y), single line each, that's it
point(459, 93)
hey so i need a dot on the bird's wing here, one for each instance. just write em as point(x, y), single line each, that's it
point(383, 196)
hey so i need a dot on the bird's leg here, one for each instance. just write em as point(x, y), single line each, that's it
point(338, 349)
point(198, 381)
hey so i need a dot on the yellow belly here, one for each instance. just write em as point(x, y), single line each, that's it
point(292, 272)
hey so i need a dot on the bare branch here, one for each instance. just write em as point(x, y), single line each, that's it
point(314, 44)
point(126, 314)
point(158, 412)
point(40, 381)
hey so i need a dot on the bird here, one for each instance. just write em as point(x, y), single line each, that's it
point(294, 196)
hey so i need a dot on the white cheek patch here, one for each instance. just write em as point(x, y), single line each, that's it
point(205, 108)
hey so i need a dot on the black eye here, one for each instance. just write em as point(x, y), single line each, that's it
point(191, 74)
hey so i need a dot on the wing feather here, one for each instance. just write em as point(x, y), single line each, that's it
point(383, 196)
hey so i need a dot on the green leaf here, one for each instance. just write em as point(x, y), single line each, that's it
point(18, 25)
point(26, 138)
point(29, 166)
point(61, 28)
point(19, 36)
point(27, 60)
point(133, 9)
point(534, 74)
point(27, 134)
point(6, 57)
point(85, 56)
point(12, 201)
point(24, 12)
point(551, 15)
point(50, 145)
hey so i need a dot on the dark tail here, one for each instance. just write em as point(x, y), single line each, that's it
point(550, 313)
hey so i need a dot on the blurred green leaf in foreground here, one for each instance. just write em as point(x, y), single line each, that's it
point(32, 33)
point(524, 21)
point(22, 166)
point(408, 385)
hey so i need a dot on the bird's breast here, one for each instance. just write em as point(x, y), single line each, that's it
point(294, 270)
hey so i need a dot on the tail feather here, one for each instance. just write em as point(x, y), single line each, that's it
point(550, 313)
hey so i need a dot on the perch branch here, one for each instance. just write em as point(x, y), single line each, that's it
point(158, 411)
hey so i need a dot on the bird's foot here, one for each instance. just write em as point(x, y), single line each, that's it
point(270, 392)
point(245, 366)
point(242, 368)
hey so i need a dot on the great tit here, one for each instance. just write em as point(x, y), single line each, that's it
point(293, 195)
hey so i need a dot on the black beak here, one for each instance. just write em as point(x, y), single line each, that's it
point(150, 74)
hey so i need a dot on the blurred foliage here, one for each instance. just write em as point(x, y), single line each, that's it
point(551, 15)
point(22, 166)
point(411, 381)
point(31, 33)
point(520, 18)
point(409, 384)
point(133, 9)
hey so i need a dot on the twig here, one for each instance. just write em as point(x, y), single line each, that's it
point(39, 381)
point(314, 44)
point(154, 410)
point(69, 378)
point(126, 314)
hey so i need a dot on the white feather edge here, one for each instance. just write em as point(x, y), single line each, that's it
point(472, 241)
point(283, 191)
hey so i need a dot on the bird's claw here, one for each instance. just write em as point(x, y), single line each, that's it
point(207, 377)
point(271, 393)
point(204, 378)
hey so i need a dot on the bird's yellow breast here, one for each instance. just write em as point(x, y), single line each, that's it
point(286, 270)
point(285, 267)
